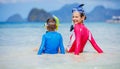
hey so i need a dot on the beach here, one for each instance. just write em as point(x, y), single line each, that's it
point(17, 41)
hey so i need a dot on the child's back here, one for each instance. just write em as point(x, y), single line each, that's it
point(51, 41)
point(50, 47)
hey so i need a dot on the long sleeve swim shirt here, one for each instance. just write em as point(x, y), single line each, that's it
point(51, 43)
point(79, 38)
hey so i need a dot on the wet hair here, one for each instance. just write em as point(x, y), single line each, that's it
point(50, 19)
point(51, 27)
point(83, 14)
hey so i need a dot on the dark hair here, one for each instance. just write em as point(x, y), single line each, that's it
point(83, 14)
point(51, 27)
point(50, 19)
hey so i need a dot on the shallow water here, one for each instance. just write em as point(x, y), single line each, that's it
point(17, 42)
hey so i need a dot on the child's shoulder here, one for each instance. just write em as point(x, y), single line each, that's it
point(58, 33)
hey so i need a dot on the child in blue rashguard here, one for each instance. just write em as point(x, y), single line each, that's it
point(52, 41)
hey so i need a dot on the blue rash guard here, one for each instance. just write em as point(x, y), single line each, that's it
point(51, 42)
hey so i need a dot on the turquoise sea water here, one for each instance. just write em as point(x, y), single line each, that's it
point(17, 41)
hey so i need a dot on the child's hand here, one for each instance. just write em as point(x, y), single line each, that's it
point(67, 50)
point(35, 49)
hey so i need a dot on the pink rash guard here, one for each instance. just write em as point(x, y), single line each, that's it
point(79, 38)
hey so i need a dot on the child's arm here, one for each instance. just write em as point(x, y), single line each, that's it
point(62, 50)
point(94, 44)
point(40, 51)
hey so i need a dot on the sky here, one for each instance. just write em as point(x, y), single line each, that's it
point(23, 7)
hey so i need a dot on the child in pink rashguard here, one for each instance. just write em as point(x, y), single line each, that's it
point(80, 33)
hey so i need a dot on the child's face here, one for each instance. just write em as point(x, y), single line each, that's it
point(76, 18)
